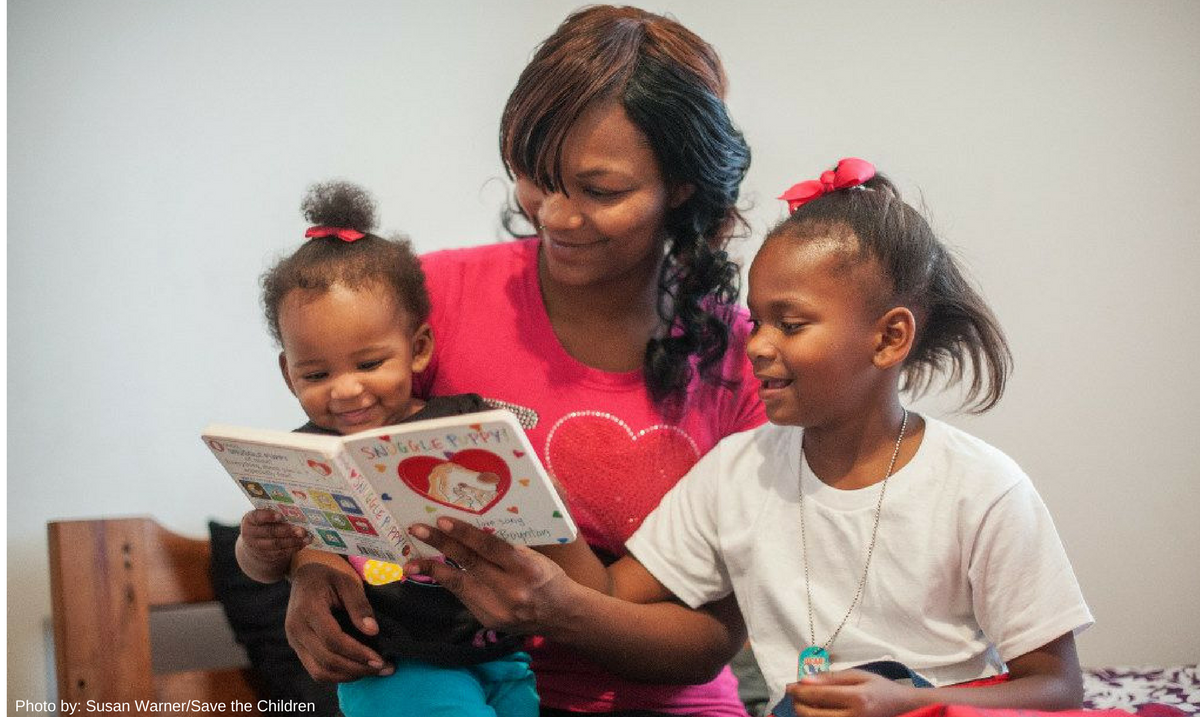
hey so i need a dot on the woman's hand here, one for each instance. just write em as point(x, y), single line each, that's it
point(519, 591)
point(849, 693)
point(322, 582)
point(506, 587)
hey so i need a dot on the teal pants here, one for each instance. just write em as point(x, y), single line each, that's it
point(502, 688)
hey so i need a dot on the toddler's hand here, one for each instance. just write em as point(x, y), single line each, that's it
point(271, 539)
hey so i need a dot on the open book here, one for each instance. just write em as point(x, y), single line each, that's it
point(357, 494)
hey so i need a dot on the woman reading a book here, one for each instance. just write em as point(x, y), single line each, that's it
point(611, 332)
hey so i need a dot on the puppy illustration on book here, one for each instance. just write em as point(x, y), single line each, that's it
point(472, 480)
point(453, 484)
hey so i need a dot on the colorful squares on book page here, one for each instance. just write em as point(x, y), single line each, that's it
point(331, 538)
point(339, 521)
point(347, 504)
point(253, 488)
point(362, 525)
point(323, 500)
point(277, 492)
point(316, 517)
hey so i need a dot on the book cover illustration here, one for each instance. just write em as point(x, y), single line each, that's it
point(357, 494)
point(478, 468)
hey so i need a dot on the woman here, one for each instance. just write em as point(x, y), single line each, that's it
point(612, 332)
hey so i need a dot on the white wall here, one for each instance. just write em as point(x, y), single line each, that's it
point(158, 151)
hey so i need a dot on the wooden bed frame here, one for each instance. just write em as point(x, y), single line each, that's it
point(105, 578)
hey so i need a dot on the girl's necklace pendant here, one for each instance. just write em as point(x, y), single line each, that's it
point(813, 661)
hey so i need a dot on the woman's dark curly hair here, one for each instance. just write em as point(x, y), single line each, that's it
point(671, 85)
point(956, 331)
point(321, 263)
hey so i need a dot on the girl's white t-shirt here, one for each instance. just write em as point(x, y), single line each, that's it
point(968, 570)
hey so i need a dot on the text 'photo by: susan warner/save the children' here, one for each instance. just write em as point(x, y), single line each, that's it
point(65, 708)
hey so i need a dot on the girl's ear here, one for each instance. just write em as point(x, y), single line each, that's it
point(283, 368)
point(896, 331)
point(422, 347)
point(680, 193)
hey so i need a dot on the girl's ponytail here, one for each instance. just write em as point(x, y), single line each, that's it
point(956, 331)
point(960, 334)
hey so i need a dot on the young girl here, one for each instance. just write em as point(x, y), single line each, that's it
point(853, 532)
point(350, 311)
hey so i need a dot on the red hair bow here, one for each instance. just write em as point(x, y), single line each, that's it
point(850, 172)
point(343, 233)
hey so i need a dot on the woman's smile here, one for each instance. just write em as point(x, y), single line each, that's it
point(569, 248)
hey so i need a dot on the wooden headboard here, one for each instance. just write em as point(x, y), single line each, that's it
point(105, 578)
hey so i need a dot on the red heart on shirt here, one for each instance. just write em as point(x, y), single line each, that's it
point(473, 482)
point(598, 449)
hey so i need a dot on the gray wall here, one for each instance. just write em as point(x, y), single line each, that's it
point(158, 151)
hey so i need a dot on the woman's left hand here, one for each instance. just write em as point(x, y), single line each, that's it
point(506, 587)
point(849, 693)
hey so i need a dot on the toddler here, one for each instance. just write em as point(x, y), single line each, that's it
point(349, 310)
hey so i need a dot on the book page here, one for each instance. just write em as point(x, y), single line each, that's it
point(313, 489)
point(478, 468)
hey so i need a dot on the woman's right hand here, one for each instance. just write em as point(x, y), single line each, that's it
point(322, 582)
point(506, 587)
point(519, 591)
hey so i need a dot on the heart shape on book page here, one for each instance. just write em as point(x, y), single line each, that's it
point(472, 482)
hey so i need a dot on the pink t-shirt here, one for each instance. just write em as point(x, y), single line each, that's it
point(597, 432)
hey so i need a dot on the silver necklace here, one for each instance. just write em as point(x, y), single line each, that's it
point(816, 659)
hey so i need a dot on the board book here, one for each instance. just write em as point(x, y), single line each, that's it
point(357, 494)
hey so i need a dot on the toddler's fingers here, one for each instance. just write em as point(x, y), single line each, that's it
point(262, 516)
point(277, 535)
point(278, 542)
point(290, 543)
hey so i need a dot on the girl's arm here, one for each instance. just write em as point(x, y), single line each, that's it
point(514, 589)
point(626, 579)
point(1047, 678)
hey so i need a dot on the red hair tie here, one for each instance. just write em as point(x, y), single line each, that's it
point(343, 233)
point(850, 172)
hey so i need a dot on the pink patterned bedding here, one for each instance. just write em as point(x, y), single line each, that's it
point(1148, 691)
